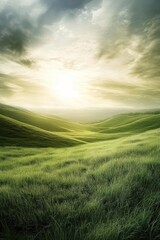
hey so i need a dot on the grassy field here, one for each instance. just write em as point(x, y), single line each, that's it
point(105, 186)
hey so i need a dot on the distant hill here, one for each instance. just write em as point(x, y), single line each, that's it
point(131, 123)
point(20, 127)
point(90, 115)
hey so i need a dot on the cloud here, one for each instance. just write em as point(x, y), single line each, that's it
point(132, 38)
point(5, 90)
point(22, 26)
point(18, 90)
point(62, 5)
point(117, 41)
point(129, 18)
point(15, 31)
point(127, 94)
point(11, 85)
point(147, 65)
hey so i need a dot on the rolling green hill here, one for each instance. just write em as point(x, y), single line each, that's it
point(131, 123)
point(33, 129)
point(15, 133)
point(93, 181)
point(106, 190)
point(49, 123)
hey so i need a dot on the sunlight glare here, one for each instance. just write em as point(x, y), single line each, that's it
point(67, 89)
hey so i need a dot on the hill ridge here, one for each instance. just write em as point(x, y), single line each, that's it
point(32, 129)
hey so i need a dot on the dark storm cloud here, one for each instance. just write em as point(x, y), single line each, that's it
point(18, 29)
point(62, 5)
point(15, 30)
point(139, 12)
point(16, 33)
point(58, 8)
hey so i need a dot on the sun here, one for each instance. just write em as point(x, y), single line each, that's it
point(66, 90)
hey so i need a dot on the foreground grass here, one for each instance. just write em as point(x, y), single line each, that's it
point(99, 191)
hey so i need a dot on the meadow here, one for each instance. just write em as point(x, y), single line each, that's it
point(69, 181)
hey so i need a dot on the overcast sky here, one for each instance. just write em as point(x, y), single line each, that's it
point(103, 53)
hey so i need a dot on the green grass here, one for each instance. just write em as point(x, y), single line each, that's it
point(131, 123)
point(20, 127)
point(49, 123)
point(107, 189)
point(15, 133)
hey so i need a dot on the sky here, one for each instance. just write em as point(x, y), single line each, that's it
point(80, 53)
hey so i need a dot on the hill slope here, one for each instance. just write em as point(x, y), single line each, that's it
point(131, 123)
point(19, 124)
point(100, 191)
point(15, 133)
point(49, 123)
